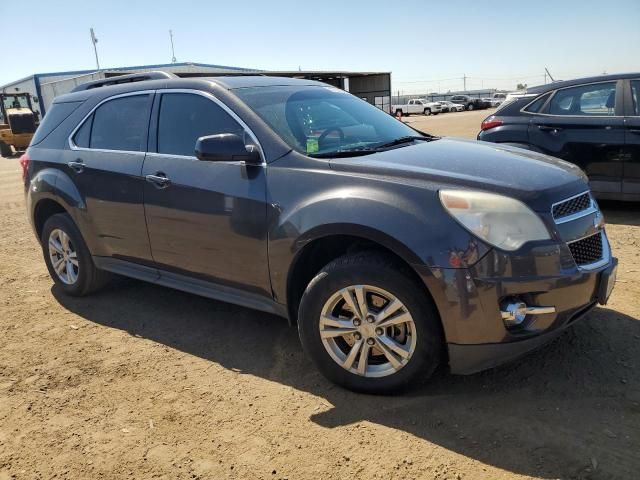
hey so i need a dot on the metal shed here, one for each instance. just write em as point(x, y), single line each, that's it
point(374, 87)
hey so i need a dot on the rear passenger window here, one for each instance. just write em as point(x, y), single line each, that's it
point(121, 124)
point(185, 117)
point(537, 104)
point(597, 99)
point(82, 136)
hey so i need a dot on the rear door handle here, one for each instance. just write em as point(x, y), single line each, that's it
point(76, 165)
point(549, 128)
point(634, 130)
point(159, 180)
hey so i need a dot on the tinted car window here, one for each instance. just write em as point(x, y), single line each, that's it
point(537, 104)
point(185, 117)
point(82, 136)
point(121, 124)
point(597, 99)
point(635, 94)
point(54, 117)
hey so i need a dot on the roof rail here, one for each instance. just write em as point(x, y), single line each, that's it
point(135, 77)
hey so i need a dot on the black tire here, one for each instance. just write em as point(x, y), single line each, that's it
point(427, 111)
point(401, 112)
point(89, 278)
point(470, 107)
point(371, 268)
point(5, 150)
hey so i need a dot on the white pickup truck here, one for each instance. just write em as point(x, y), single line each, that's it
point(418, 105)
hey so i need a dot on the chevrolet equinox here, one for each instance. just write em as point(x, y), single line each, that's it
point(393, 251)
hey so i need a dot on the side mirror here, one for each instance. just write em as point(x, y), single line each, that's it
point(226, 147)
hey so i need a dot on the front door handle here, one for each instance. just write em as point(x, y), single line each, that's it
point(159, 180)
point(76, 165)
point(548, 128)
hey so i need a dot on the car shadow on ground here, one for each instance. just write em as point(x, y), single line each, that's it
point(571, 409)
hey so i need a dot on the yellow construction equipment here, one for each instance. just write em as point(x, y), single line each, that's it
point(18, 122)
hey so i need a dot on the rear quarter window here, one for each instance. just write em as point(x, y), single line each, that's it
point(57, 114)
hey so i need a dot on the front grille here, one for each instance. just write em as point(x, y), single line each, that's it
point(588, 250)
point(571, 206)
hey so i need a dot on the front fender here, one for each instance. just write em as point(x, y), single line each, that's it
point(415, 228)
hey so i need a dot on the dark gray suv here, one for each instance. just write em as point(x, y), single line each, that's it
point(392, 251)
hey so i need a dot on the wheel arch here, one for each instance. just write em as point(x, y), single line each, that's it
point(329, 242)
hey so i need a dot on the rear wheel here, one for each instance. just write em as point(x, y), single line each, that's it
point(67, 257)
point(368, 326)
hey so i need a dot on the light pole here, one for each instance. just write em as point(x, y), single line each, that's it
point(173, 53)
point(94, 41)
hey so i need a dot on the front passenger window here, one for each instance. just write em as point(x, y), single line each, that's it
point(185, 117)
point(598, 99)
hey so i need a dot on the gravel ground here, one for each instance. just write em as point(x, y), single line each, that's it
point(140, 381)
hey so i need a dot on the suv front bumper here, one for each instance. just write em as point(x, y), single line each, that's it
point(469, 301)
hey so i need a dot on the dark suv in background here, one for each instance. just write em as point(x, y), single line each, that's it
point(393, 251)
point(470, 103)
point(591, 122)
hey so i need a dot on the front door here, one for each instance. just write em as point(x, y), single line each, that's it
point(105, 164)
point(631, 180)
point(208, 219)
point(584, 125)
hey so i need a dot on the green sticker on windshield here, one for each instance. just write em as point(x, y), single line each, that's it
point(312, 145)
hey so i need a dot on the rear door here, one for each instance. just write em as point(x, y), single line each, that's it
point(105, 163)
point(584, 125)
point(209, 219)
point(631, 177)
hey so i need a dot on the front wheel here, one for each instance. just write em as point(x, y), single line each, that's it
point(368, 326)
point(427, 111)
point(470, 107)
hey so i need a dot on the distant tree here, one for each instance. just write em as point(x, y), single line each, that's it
point(521, 86)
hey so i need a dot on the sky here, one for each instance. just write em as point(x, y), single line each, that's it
point(427, 45)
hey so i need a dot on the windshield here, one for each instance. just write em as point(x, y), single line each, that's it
point(323, 120)
point(15, 101)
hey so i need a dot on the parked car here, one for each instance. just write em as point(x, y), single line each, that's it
point(391, 251)
point(593, 123)
point(498, 98)
point(492, 102)
point(417, 105)
point(469, 103)
point(450, 106)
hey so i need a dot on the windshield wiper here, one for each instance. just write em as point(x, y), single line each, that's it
point(369, 150)
point(401, 140)
point(345, 153)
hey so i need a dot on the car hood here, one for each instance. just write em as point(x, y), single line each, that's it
point(536, 179)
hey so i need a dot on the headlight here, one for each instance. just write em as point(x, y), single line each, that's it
point(501, 221)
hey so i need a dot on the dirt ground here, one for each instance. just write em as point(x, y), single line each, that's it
point(141, 382)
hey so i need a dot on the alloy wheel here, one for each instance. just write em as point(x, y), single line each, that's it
point(63, 256)
point(367, 331)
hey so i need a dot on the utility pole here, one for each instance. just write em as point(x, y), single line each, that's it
point(547, 72)
point(464, 80)
point(173, 53)
point(94, 41)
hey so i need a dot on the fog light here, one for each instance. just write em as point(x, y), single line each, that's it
point(514, 311)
